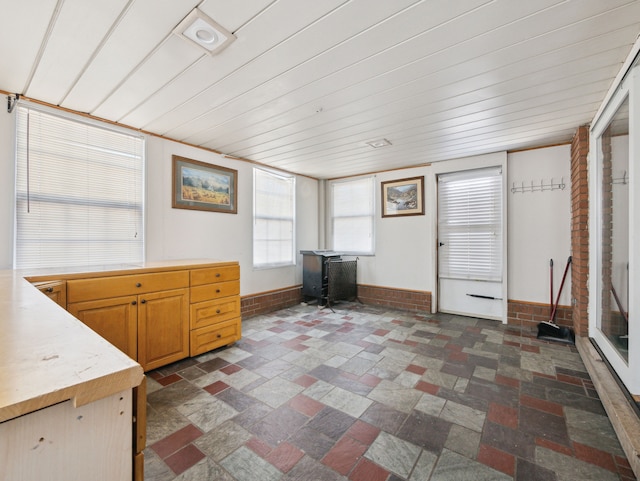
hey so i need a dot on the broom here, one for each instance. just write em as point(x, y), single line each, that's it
point(549, 330)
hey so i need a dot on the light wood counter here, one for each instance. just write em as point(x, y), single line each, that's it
point(72, 406)
point(47, 356)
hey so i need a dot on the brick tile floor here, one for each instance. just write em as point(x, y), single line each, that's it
point(371, 394)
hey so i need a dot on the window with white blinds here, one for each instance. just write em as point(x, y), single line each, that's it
point(273, 219)
point(79, 192)
point(470, 224)
point(352, 215)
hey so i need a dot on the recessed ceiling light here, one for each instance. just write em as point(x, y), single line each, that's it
point(376, 144)
point(200, 29)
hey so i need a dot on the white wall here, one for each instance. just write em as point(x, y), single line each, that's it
point(180, 233)
point(538, 228)
point(402, 245)
point(539, 224)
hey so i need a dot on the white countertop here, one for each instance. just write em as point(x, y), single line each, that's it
point(47, 356)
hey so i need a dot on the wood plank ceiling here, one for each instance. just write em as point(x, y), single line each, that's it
point(308, 83)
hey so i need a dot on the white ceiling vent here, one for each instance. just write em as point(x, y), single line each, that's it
point(376, 144)
point(200, 29)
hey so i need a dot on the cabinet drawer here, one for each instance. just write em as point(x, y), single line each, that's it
point(214, 274)
point(55, 290)
point(212, 337)
point(209, 292)
point(105, 287)
point(211, 312)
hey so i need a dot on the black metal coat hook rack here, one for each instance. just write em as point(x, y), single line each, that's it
point(12, 100)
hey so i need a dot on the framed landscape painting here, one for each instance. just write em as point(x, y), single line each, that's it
point(403, 197)
point(202, 186)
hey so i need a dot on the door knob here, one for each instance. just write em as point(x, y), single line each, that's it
point(440, 244)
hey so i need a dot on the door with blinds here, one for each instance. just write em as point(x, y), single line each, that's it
point(471, 243)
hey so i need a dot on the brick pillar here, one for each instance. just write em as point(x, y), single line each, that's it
point(580, 230)
point(606, 241)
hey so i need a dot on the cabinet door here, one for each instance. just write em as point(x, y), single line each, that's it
point(114, 319)
point(163, 327)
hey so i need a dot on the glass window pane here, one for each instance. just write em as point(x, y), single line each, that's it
point(79, 192)
point(613, 157)
point(273, 219)
point(353, 216)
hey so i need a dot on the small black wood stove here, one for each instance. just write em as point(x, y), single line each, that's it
point(327, 277)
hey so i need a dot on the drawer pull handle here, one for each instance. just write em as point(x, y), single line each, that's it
point(217, 274)
point(219, 335)
point(133, 303)
point(143, 301)
point(138, 284)
point(217, 291)
point(217, 311)
point(50, 289)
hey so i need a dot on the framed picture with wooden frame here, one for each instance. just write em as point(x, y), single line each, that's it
point(403, 197)
point(201, 186)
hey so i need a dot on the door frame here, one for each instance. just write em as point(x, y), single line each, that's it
point(629, 87)
point(470, 163)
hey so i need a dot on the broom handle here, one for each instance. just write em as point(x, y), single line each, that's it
point(564, 276)
point(550, 288)
point(625, 316)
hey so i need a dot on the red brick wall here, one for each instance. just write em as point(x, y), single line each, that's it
point(262, 303)
point(408, 300)
point(580, 230)
point(529, 314)
point(270, 301)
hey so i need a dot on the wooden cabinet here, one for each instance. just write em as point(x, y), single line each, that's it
point(139, 429)
point(155, 315)
point(163, 328)
point(56, 290)
point(215, 308)
point(68, 442)
point(114, 319)
point(144, 315)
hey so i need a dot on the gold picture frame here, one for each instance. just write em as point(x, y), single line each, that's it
point(202, 186)
point(403, 197)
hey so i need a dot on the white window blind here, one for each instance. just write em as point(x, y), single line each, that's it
point(79, 192)
point(353, 215)
point(470, 224)
point(273, 219)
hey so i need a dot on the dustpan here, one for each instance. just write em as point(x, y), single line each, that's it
point(549, 330)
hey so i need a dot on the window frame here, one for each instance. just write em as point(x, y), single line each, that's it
point(368, 213)
point(89, 249)
point(483, 222)
point(291, 181)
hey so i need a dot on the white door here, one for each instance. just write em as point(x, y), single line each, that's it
point(471, 243)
